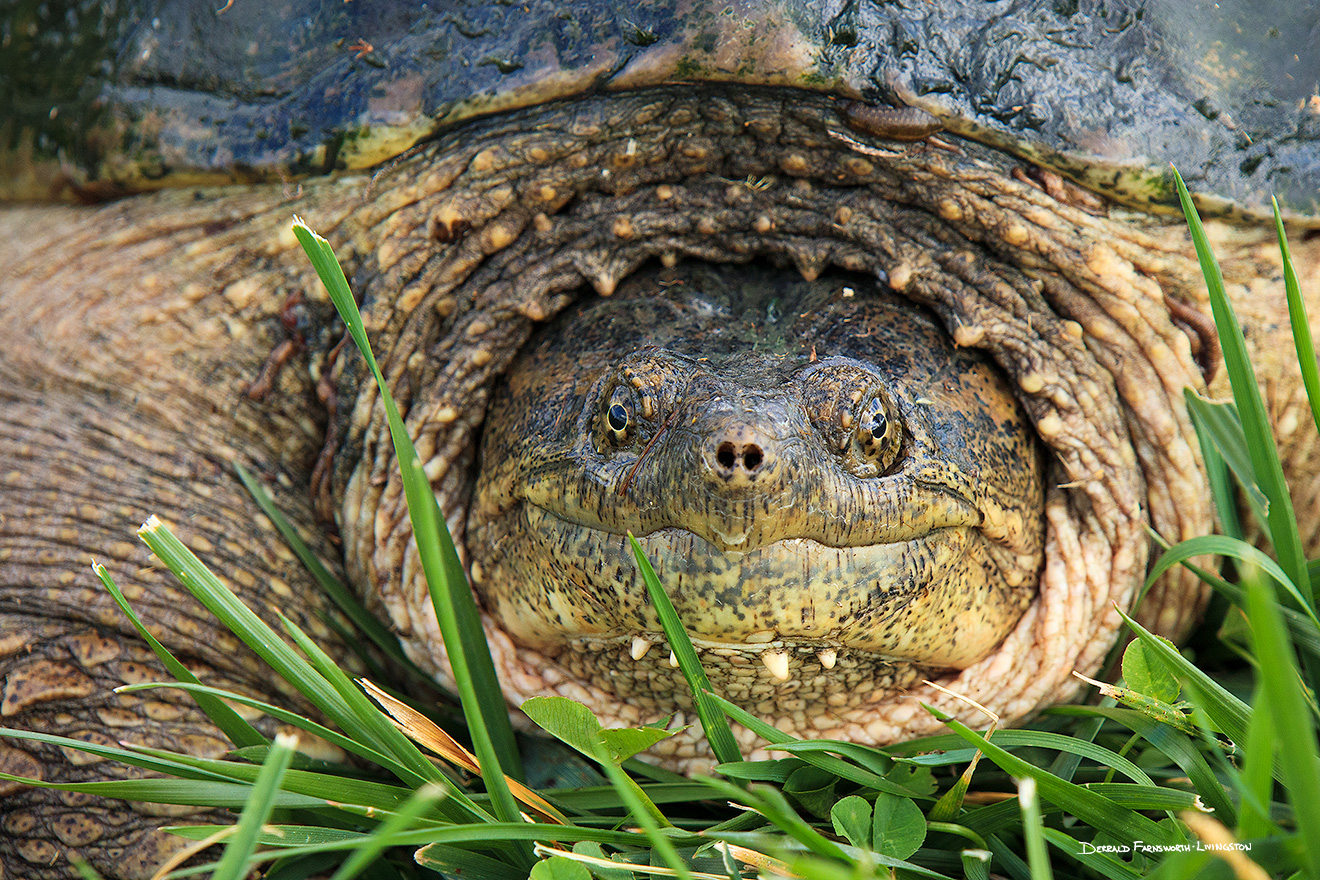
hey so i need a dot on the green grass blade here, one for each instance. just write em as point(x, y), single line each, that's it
point(1007, 817)
point(826, 762)
point(369, 850)
point(1071, 745)
point(481, 835)
point(1258, 768)
point(771, 803)
point(604, 797)
point(976, 863)
point(369, 724)
point(1304, 633)
point(1222, 545)
point(1293, 720)
point(338, 592)
point(244, 623)
point(713, 720)
point(762, 728)
point(1007, 860)
point(334, 737)
point(1066, 763)
point(1222, 489)
point(157, 761)
point(347, 792)
point(1103, 864)
point(1301, 327)
point(1146, 798)
point(1033, 826)
point(453, 861)
point(1083, 803)
point(85, 871)
point(1230, 715)
point(1251, 408)
point(876, 760)
point(1180, 748)
point(278, 835)
point(277, 653)
point(816, 868)
point(460, 622)
point(1219, 427)
point(233, 864)
point(181, 792)
point(231, 724)
point(638, 809)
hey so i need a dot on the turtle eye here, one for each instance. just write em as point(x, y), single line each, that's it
point(850, 406)
point(878, 435)
point(874, 423)
point(617, 419)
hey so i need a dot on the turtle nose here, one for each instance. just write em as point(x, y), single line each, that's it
point(730, 456)
point(738, 454)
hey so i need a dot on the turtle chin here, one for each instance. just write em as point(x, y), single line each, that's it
point(869, 617)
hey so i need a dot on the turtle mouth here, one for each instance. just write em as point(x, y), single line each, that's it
point(935, 600)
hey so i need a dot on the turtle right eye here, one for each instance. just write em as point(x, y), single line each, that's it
point(618, 421)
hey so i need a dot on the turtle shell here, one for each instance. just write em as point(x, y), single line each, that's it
point(107, 97)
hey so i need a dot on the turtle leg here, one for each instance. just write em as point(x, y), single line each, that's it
point(75, 480)
point(130, 334)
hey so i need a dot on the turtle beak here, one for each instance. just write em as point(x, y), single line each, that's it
point(737, 469)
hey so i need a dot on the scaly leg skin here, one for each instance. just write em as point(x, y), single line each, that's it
point(121, 396)
point(82, 478)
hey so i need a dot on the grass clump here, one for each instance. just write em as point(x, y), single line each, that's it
point(1172, 773)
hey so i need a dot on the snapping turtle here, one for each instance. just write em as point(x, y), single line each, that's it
point(481, 168)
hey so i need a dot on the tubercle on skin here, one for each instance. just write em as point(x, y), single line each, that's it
point(775, 661)
point(893, 123)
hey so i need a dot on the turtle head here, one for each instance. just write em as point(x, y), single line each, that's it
point(818, 476)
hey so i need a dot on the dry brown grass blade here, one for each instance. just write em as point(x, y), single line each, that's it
point(426, 733)
point(183, 855)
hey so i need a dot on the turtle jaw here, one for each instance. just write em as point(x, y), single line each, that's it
point(941, 599)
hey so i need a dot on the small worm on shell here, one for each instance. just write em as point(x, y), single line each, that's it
point(894, 123)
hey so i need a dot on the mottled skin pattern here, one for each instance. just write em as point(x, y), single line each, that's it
point(133, 331)
point(818, 476)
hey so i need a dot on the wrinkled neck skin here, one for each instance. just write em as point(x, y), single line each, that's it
point(460, 249)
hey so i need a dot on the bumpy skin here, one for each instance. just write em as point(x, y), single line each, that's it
point(731, 176)
point(122, 395)
point(458, 249)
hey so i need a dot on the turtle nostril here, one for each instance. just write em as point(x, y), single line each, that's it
point(725, 456)
point(729, 455)
point(752, 456)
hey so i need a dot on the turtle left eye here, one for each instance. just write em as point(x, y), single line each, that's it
point(874, 422)
point(878, 436)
